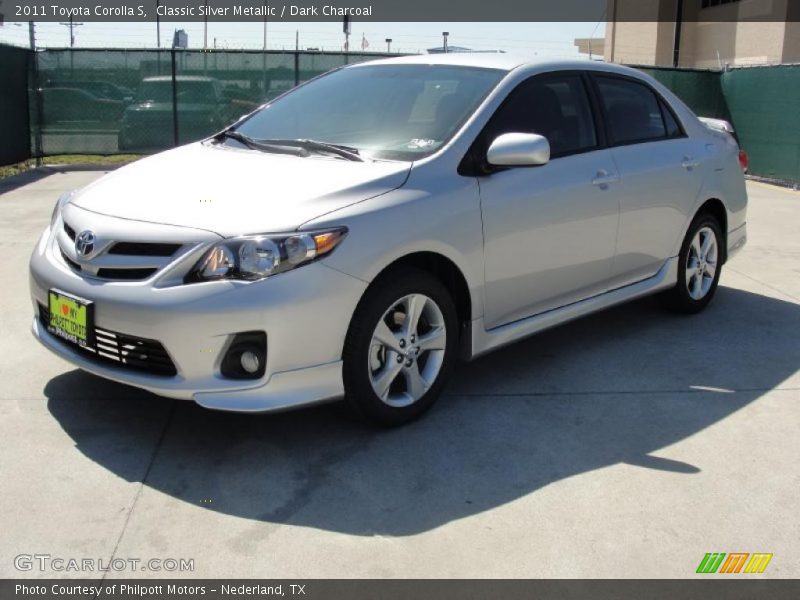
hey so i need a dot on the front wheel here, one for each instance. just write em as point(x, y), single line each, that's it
point(400, 348)
point(699, 266)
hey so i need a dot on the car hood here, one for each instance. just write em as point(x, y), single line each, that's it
point(231, 191)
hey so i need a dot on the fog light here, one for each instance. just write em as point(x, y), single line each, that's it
point(246, 356)
point(250, 361)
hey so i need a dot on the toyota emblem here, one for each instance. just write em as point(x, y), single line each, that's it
point(84, 243)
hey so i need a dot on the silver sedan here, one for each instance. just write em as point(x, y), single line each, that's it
point(356, 236)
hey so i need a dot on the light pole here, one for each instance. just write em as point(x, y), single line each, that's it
point(444, 40)
point(388, 45)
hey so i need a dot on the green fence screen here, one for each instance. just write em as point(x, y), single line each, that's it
point(89, 101)
point(764, 103)
point(112, 101)
point(14, 65)
point(700, 90)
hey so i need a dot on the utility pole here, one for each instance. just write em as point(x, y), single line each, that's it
point(264, 59)
point(388, 45)
point(444, 41)
point(205, 39)
point(32, 35)
point(158, 26)
point(72, 27)
point(296, 57)
point(346, 28)
point(205, 27)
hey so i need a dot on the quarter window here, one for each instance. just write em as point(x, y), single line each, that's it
point(673, 129)
point(632, 111)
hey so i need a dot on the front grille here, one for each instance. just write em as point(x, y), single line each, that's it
point(122, 350)
point(142, 249)
point(118, 260)
point(125, 274)
point(75, 266)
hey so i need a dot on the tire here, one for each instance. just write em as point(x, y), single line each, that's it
point(409, 364)
point(699, 265)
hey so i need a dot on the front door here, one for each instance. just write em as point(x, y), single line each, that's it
point(549, 231)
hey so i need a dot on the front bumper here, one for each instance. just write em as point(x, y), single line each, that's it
point(305, 314)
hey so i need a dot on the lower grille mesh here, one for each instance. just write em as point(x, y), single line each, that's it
point(122, 350)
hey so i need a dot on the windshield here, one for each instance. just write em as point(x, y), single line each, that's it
point(396, 112)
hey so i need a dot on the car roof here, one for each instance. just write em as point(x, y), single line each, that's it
point(500, 61)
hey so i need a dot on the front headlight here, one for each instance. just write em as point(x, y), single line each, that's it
point(62, 200)
point(255, 257)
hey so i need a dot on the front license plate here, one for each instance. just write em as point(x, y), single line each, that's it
point(71, 318)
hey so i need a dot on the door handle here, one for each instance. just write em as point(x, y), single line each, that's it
point(689, 162)
point(603, 178)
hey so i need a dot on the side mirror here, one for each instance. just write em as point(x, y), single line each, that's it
point(519, 150)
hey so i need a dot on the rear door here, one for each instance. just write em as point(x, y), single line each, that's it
point(549, 231)
point(661, 173)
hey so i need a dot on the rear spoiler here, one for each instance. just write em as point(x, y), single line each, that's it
point(717, 124)
point(723, 125)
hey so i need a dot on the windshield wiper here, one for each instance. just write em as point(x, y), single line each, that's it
point(263, 146)
point(347, 152)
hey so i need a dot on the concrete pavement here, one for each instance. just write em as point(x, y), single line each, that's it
point(626, 444)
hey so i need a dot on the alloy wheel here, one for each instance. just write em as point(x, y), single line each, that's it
point(701, 263)
point(407, 350)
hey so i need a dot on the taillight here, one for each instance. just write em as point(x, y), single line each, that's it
point(744, 160)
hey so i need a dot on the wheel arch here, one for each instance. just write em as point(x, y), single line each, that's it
point(716, 208)
point(451, 276)
point(445, 270)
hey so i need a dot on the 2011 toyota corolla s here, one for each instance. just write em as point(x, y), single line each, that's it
point(357, 235)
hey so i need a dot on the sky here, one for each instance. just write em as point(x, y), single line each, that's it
point(551, 40)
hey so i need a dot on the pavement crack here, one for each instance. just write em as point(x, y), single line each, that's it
point(138, 494)
point(772, 287)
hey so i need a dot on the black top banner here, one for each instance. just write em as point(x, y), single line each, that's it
point(402, 10)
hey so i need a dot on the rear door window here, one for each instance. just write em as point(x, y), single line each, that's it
point(632, 110)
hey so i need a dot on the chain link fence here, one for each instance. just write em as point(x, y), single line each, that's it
point(89, 101)
point(114, 101)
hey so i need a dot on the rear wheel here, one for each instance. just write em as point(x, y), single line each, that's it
point(400, 348)
point(699, 266)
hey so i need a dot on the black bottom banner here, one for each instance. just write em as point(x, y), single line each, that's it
point(390, 589)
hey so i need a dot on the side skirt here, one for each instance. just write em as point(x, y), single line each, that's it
point(484, 341)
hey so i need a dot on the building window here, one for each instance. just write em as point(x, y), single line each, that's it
point(710, 3)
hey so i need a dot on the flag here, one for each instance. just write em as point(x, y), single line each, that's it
point(364, 42)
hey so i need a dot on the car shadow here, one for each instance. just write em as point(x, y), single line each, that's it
point(612, 388)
